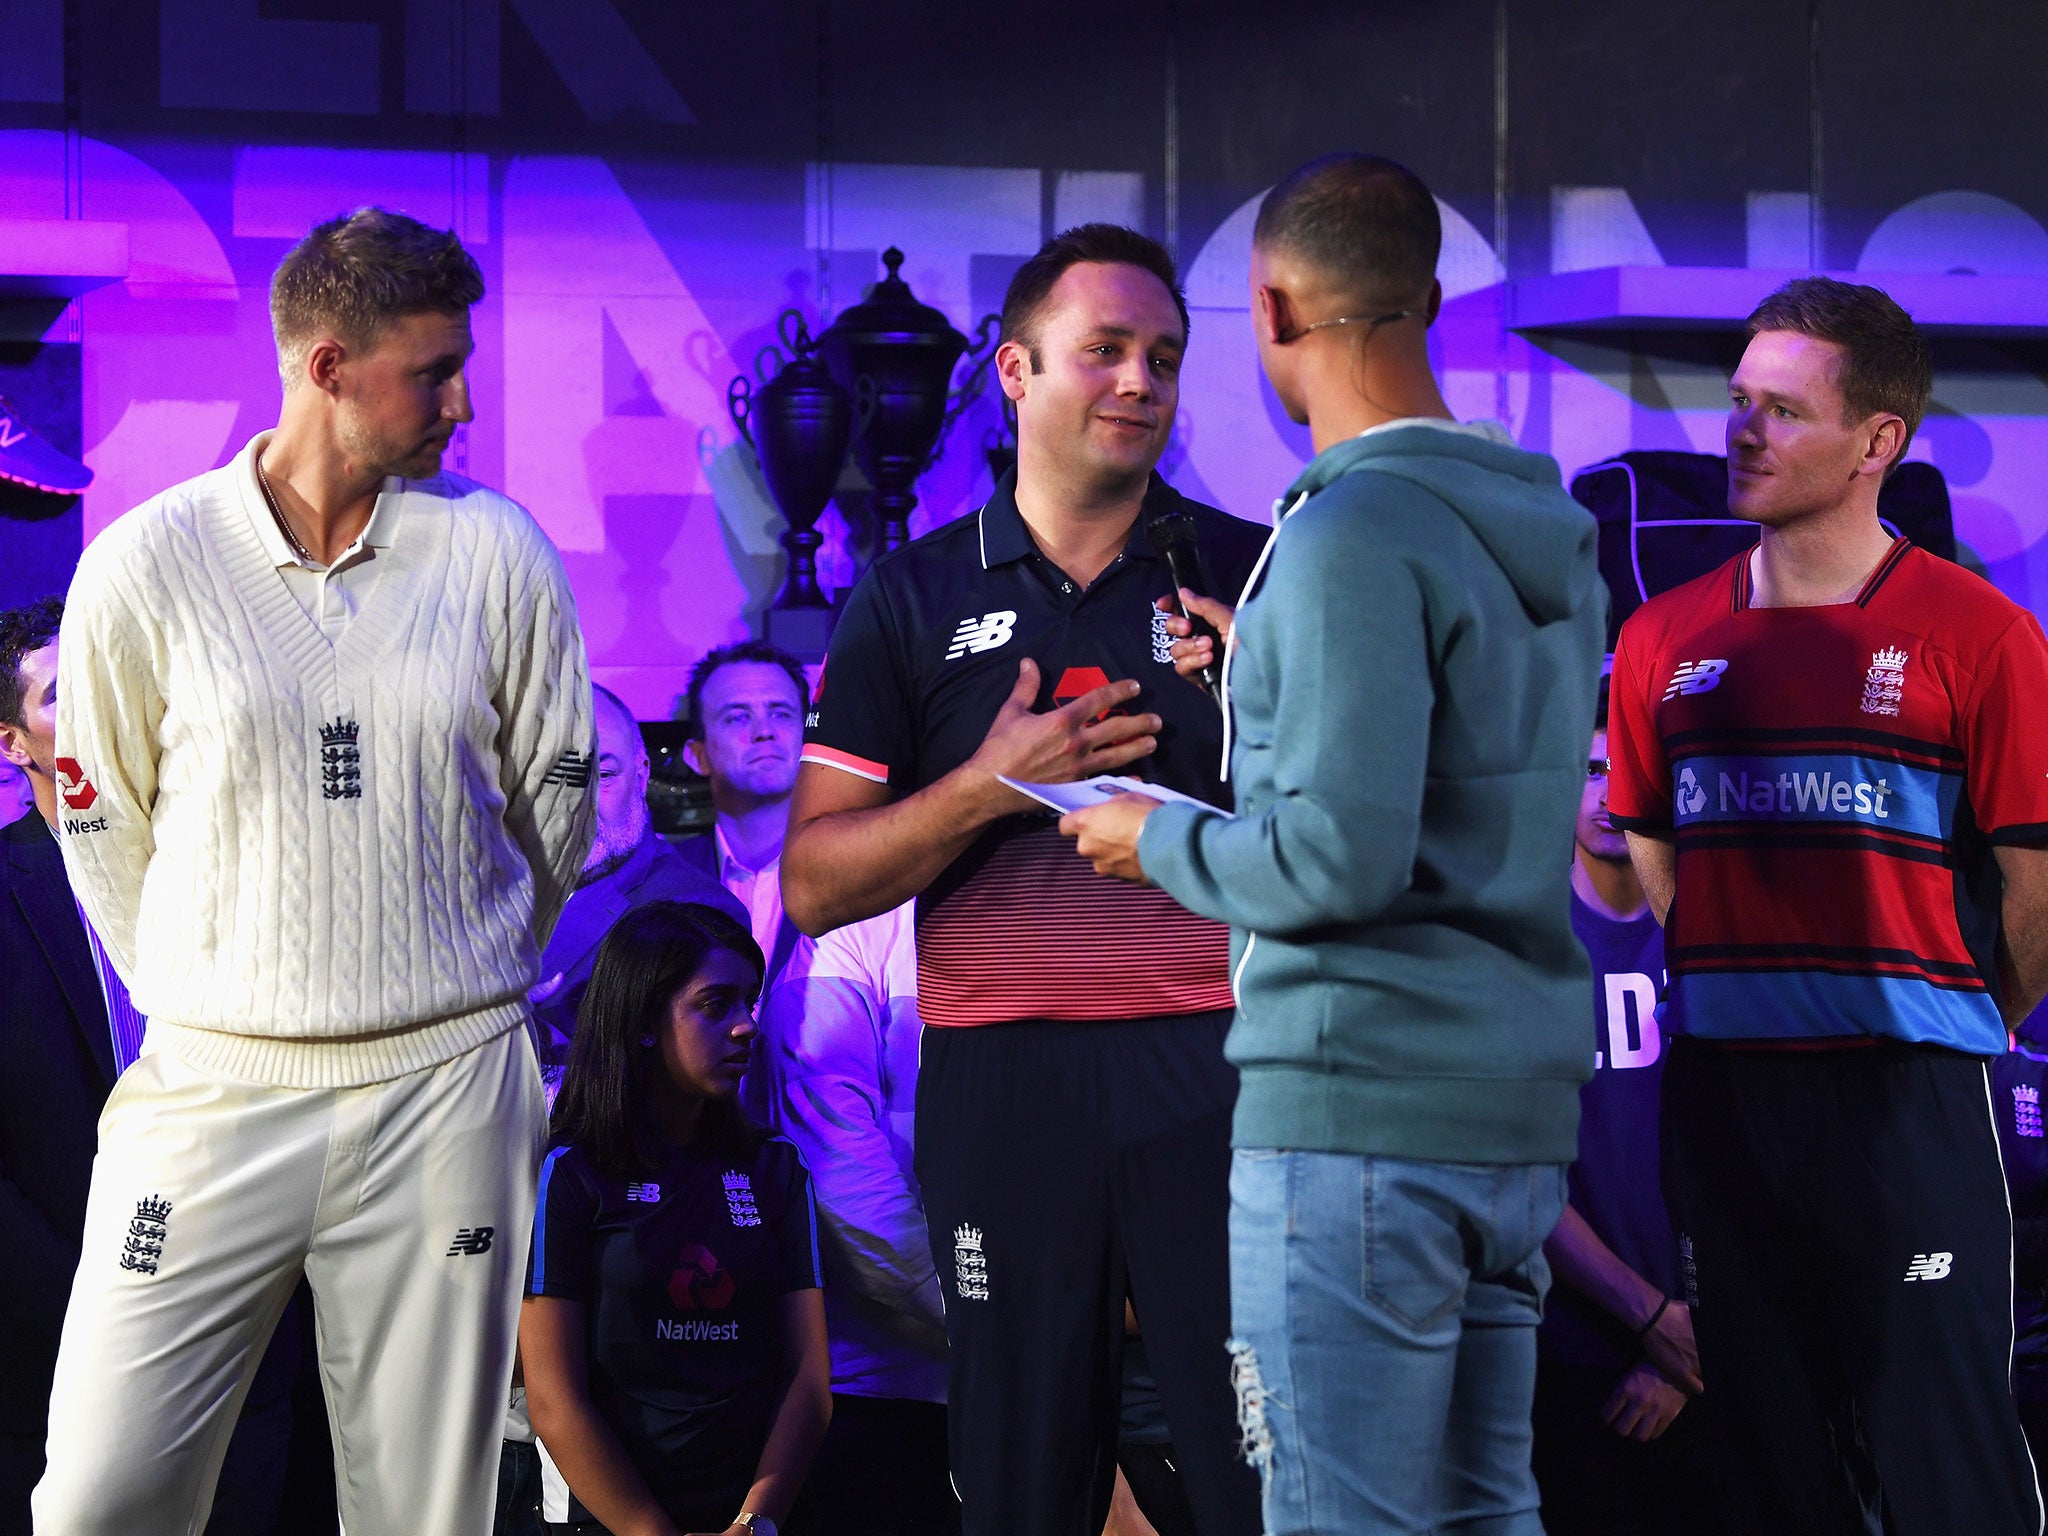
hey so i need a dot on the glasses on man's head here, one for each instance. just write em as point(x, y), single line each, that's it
point(1370, 322)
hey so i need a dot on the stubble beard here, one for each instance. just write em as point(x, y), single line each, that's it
point(384, 457)
point(615, 844)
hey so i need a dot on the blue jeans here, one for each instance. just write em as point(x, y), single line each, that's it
point(1385, 1355)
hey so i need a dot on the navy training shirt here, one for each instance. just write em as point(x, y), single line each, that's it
point(1020, 926)
point(1616, 1184)
point(681, 1273)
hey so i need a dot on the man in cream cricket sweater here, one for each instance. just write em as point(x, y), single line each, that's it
point(324, 746)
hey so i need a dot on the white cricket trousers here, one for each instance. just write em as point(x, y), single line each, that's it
point(407, 1204)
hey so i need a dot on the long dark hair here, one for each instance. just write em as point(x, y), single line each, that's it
point(650, 955)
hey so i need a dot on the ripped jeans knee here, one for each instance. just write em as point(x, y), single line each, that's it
point(1255, 1435)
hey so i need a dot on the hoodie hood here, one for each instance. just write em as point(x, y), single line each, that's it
point(1513, 501)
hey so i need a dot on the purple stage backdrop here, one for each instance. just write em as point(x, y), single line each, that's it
point(647, 183)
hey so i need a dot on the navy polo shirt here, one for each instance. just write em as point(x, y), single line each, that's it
point(1020, 926)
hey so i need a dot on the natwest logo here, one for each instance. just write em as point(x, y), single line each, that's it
point(698, 1282)
point(1695, 677)
point(73, 786)
point(1076, 682)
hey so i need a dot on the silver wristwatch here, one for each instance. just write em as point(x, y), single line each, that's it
point(755, 1525)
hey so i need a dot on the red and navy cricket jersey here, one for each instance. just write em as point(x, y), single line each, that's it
point(1020, 926)
point(1835, 780)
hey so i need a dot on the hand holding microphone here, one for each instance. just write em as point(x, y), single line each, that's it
point(1200, 624)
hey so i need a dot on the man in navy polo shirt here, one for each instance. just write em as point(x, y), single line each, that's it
point(1073, 1101)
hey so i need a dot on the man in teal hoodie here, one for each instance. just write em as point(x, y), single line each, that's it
point(1409, 683)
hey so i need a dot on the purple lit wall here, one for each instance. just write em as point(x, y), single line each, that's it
point(647, 183)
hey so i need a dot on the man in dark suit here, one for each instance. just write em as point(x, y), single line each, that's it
point(67, 1029)
point(628, 866)
point(745, 711)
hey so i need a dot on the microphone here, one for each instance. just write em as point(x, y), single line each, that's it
point(1173, 535)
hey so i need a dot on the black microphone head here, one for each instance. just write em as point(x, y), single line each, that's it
point(1169, 530)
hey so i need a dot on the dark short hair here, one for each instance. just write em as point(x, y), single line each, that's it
point(648, 957)
point(1104, 244)
point(727, 655)
point(1365, 223)
point(24, 631)
point(1600, 700)
point(1885, 367)
point(354, 276)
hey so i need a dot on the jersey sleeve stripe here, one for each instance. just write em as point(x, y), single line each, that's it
point(846, 762)
point(1839, 839)
point(2026, 834)
point(540, 1222)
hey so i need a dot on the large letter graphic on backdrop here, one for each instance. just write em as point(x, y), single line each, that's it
point(1987, 430)
point(225, 53)
point(628, 486)
point(179, 291)
point(1237, 438)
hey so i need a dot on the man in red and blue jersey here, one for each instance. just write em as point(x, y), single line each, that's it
point(1832, 764)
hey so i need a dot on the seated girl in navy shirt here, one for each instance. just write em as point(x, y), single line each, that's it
point(674, 1331)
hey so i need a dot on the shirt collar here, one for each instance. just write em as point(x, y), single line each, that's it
point(381, 532)
point(1006, 537)
point(730, 868)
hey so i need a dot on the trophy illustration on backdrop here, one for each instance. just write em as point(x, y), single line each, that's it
point(880, 380)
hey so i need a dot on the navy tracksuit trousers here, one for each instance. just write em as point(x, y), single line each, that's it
point(1063, 1167)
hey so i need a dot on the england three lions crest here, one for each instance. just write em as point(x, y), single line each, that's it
point(1885, 683)
point(970, 1264)
point(341, 760)
point(143, 1245)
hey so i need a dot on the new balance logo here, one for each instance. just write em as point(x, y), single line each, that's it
point(989, 632)
point(1930, 1266)
point(471, 1240)
point(571, 770)
point(646, 1194)
point(1695, 677)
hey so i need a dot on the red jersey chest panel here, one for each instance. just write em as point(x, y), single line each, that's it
point(1832, 779)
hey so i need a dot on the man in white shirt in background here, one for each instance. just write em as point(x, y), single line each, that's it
point(836, 1072)
point(324, 734)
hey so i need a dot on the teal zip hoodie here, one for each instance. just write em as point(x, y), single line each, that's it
point(1410, 692)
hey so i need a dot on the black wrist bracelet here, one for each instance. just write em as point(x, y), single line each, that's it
point(1644, 1331)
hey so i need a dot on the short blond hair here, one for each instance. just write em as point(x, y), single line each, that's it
point(353, 276)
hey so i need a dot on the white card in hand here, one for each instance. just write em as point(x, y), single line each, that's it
point(1087, 792)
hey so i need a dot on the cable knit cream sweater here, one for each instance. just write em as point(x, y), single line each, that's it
point(323, 864)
